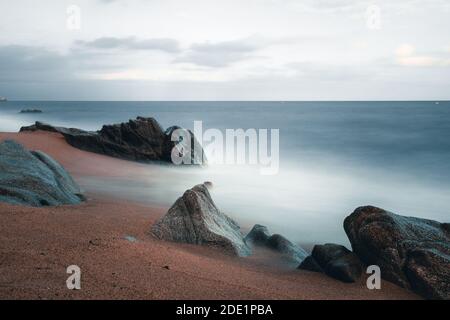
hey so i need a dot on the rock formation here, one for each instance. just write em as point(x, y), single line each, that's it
point(411, 252)
point(195, 219)
point(142, 140)
point(33, 178)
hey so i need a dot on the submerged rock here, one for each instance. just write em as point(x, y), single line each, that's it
point(33, 178)
point(30, 111)
point(195, 219)
point(140, 140)
point(411, 252)
point(260, 235)
point(336, 261)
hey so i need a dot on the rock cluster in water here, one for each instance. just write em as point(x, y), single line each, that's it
point(411, 252)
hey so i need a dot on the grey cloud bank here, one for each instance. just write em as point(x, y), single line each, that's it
point(267, 50)
point(131, 43)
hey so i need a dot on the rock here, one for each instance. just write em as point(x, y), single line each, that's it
point(337, 262)
point(141, 140)
point(208, 184)
point(195, 219)
point(281, 244)
point(260, 235)
point(310, 264)
point(411, 252)
point(33, 178)
point(30, 111)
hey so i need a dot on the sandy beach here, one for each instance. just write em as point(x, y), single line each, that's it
point(37, 245)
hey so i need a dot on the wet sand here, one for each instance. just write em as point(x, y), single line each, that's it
point(38, 244)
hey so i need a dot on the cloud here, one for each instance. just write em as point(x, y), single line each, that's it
point(29, 64)
point(405, 50)
point(222, 54)
point(131, 43)
point(405, 56)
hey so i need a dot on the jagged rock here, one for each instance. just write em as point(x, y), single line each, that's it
point(337, 262)
point(195, 219)
point(411, 252)
point(260, 235)
point(33, 178)
point(310, 264)
point(140, 140)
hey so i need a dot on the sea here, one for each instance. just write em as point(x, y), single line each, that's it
point(333, 158)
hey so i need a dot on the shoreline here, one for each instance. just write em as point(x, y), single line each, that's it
point(39, 243)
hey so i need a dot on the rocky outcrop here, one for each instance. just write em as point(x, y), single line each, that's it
point(260, 235)
point(34, 179)
point(411, 252)
point(195, 219)
point(336, 261)
point(142, 140)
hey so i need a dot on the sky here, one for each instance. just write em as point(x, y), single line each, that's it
point(225, 50)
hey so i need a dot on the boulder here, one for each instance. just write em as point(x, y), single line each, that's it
point(310, 264)
point(34, 179)
point(195, 219)
point(260, 235)
point(142, 140)
point(336, 261)
point(411, 252)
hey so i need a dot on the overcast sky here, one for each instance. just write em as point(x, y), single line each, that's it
point(225, 50)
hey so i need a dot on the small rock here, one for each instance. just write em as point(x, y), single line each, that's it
point(258, 235)
point(281, 244)
point(310, 264)
point(336, 261)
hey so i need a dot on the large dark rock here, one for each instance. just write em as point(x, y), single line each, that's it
point(411, 252)
point(33, 178)
point(140, 140)
point(336, 261)
point(260, 235)
point(310, 264)
point(195, 219)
